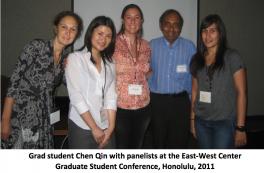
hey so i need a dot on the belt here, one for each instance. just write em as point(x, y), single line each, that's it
point(181, 94)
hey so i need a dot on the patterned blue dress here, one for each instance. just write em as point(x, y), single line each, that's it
point(32, 85)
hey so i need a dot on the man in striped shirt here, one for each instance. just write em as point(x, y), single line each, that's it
point(170, 83)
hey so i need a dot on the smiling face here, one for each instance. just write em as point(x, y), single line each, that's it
point(211, 36)
point(170, 27)
point(101, 38)
point(132, 21)
point(66, 30)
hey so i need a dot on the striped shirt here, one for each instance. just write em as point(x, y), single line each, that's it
point(170, 66)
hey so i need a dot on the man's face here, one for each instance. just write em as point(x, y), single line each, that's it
point(170, 27)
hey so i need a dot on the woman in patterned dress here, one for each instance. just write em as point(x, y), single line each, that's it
point(30, 96)
point(132, 57)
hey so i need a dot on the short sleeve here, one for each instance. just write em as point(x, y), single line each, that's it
point(235, 61)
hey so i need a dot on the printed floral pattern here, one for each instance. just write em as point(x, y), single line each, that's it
point(32, 85)
point(129, 71)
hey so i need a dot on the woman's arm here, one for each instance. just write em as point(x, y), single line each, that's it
point(111, 119)
point(193, 98)
point(24, 62)
point(6, 117)
point(109, 131)
point(240, 86)
point(97, 132)
point(110, 105)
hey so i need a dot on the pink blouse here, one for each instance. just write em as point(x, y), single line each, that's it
point(131, 70)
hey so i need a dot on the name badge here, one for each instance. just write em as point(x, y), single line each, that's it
point(134, 89)
point(103, 115)
point(205, 97)
point(181, 68)
point(55, 117)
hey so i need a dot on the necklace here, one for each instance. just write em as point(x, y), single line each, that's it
point(57, 58)
point(134, 57)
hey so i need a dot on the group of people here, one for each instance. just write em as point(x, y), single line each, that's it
point(120, 84)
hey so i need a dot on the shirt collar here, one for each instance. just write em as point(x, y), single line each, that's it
point(173, 44)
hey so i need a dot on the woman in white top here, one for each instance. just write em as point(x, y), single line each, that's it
point(90, 76)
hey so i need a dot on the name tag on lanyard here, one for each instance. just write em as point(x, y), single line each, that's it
point(134, 89)
point(205, 97)
point(55, 117)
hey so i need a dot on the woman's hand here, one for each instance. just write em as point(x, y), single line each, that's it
point(240, 138)
point(108, 133)
point(5, 129)
point(65, 62)
point(192, 127)
point(148, 74)
point(6, 118)
point(98, 135)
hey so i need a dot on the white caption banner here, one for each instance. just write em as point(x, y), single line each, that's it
point(131, 161)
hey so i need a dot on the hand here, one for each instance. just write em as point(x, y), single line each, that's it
point(98, 135)
point(148, 74)
point(6, 118)
point(192, 128)
point(108, 134)
point(5, 129)
point(65, 62)
point(240, 138)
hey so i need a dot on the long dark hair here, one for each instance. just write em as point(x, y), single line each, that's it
point(198, 61)
point(108, 52)
point(129, 6)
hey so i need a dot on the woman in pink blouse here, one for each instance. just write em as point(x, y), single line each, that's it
point(132, 57)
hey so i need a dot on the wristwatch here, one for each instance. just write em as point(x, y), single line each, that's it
point(241, 128)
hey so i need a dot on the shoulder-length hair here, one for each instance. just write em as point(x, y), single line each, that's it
point(77, 18)
point(129, 6)
point(108, 52)
point(198, 61)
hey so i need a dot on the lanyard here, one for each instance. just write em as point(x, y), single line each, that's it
point(209, 75)
point(103, 88)
point(133, 58)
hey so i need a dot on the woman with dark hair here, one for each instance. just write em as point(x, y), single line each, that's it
point(39, 70)
point(218, 89)
point(132, 56)
point(90, 76)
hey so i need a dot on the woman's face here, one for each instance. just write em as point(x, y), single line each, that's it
point(210, 36)
point(132, 21)
point(66, 31)
point(101, 38)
